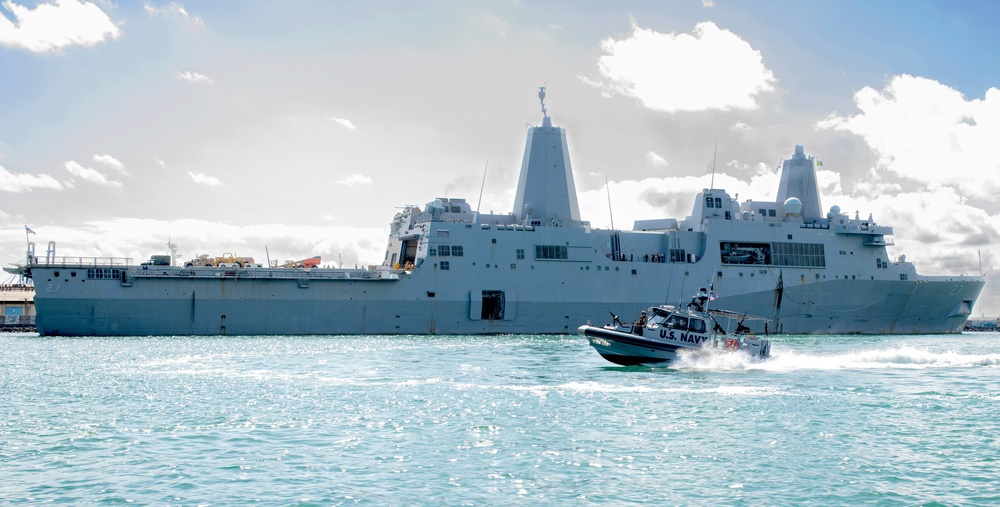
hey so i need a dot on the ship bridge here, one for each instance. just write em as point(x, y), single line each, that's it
point(873, 235)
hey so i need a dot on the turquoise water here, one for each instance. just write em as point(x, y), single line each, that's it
point(462, 420)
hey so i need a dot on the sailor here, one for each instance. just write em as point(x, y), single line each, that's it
point(639, 324)
point(699, 299)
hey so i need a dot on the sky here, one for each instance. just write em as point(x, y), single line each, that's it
point(292, 129)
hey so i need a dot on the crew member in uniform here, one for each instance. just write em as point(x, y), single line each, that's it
point(639, 324)
point(699, 299)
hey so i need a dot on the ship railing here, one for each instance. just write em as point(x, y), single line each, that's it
point(267, 273)
point(863, 228)
point(80, 262)
point(878, 241)
point(813, 225)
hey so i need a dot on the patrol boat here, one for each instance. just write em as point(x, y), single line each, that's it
point(669, 330)
point(540, 268)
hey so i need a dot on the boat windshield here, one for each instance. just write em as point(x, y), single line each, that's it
point(697, 326)
point(676, 321)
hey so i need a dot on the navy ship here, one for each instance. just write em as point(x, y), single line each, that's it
point(538, 269)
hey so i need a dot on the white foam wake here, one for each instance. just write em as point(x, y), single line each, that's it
point(901, 357)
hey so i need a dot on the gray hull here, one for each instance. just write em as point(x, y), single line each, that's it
point(250, 302)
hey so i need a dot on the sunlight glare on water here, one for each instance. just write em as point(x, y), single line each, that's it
point(454, 420)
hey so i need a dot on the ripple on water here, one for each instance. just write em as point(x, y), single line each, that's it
point(498, 420)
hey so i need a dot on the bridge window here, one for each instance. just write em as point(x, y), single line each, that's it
point(445, 266)
point(808, 255)
point(520, 253)
point(456, 251)
point(551, 252)
point(104, 273)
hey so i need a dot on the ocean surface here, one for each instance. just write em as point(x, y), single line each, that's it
point(497, 420)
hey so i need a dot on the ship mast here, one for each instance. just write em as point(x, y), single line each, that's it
point(546, 121)
point(546, 192)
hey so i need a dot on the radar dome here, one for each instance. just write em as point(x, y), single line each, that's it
point(835, 209)
point(793, 206)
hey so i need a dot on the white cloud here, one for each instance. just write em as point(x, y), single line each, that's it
point(194, 77)
point(204, 179)
point(174, 10)
point(139, 238)
point(709, 69)
point(655, 159)
point(708, 3)
point(927, 132)
point(159, 162)
point(345, 122)
point(112, 162)
point(88, 174)
point(24, 182)
point(51, 27)
point(354, 179)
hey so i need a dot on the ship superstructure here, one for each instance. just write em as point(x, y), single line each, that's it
point(538, 269)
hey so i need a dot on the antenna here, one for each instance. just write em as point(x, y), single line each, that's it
point(715, 155)
point(541, 98)
point(610, 213)
point(481, 187)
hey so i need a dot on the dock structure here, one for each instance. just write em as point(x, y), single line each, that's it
point(17, 307)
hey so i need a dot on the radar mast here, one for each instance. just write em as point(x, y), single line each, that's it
point(546, 122)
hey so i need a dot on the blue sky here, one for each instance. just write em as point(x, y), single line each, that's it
point(300, 126)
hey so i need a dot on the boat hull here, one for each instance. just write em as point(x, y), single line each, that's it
point(625, 349)
point(272, 302)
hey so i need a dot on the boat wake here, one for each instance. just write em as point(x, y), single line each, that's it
point(904, 357)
